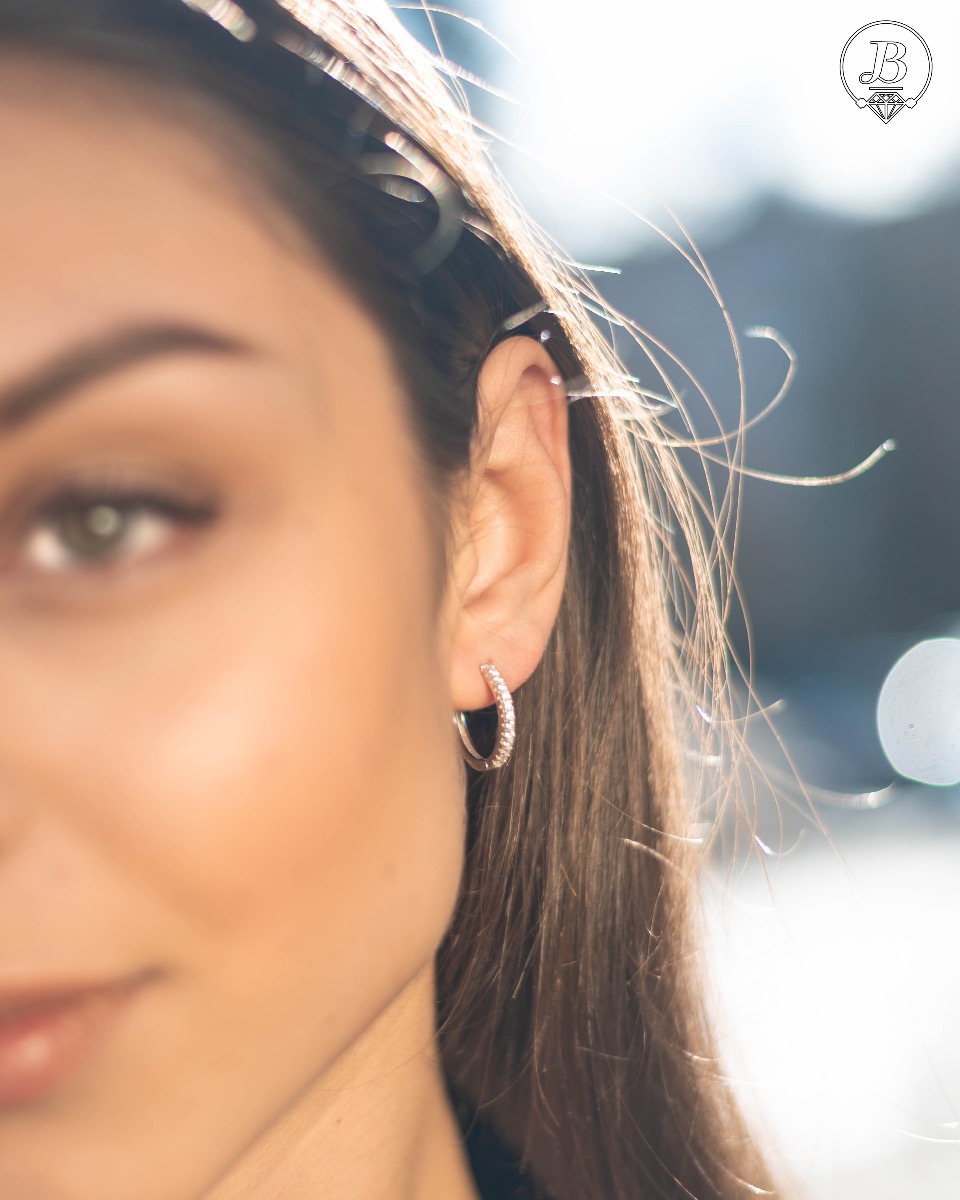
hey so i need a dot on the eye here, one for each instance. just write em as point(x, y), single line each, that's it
point(88, 526)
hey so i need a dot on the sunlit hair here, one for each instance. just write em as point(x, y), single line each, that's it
point(571, 1011)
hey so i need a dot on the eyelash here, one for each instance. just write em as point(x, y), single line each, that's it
point(110, 490)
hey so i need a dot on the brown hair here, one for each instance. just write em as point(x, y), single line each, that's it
point(571, 1013)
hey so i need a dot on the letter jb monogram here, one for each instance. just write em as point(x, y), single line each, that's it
point(886, 67)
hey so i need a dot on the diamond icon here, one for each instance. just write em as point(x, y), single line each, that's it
point(886, 105)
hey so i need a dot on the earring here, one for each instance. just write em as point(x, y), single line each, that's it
point(506, 725)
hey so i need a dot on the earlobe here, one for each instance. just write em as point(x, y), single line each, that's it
point(511, 566)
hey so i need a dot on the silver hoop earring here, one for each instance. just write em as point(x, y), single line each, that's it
point(506, 725)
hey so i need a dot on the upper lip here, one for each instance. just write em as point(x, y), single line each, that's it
point(26, 998)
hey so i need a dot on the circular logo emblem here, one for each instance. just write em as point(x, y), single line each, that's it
point(886, 67)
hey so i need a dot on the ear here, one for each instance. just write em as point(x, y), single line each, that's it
point(509, 569)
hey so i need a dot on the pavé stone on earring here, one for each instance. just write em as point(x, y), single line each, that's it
point(506, 725)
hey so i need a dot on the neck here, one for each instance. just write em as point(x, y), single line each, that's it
point(377, 1126)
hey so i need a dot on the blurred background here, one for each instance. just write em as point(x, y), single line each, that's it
point(835, 946)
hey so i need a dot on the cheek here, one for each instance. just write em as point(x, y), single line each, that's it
point(271, 764)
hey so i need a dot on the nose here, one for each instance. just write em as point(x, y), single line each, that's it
point(11, 814)
point(32, 759)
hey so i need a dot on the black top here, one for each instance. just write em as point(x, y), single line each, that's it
point(496, 1171)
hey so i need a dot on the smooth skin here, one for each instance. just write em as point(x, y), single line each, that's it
point(227, 754)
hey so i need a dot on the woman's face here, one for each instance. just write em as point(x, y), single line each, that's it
point(226, 749)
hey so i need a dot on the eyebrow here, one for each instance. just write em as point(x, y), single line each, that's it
point(56, 380)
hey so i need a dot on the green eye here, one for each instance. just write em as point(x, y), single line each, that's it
point(88, 525)
point(90, 530)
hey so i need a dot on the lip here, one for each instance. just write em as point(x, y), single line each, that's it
point(47, 1034)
